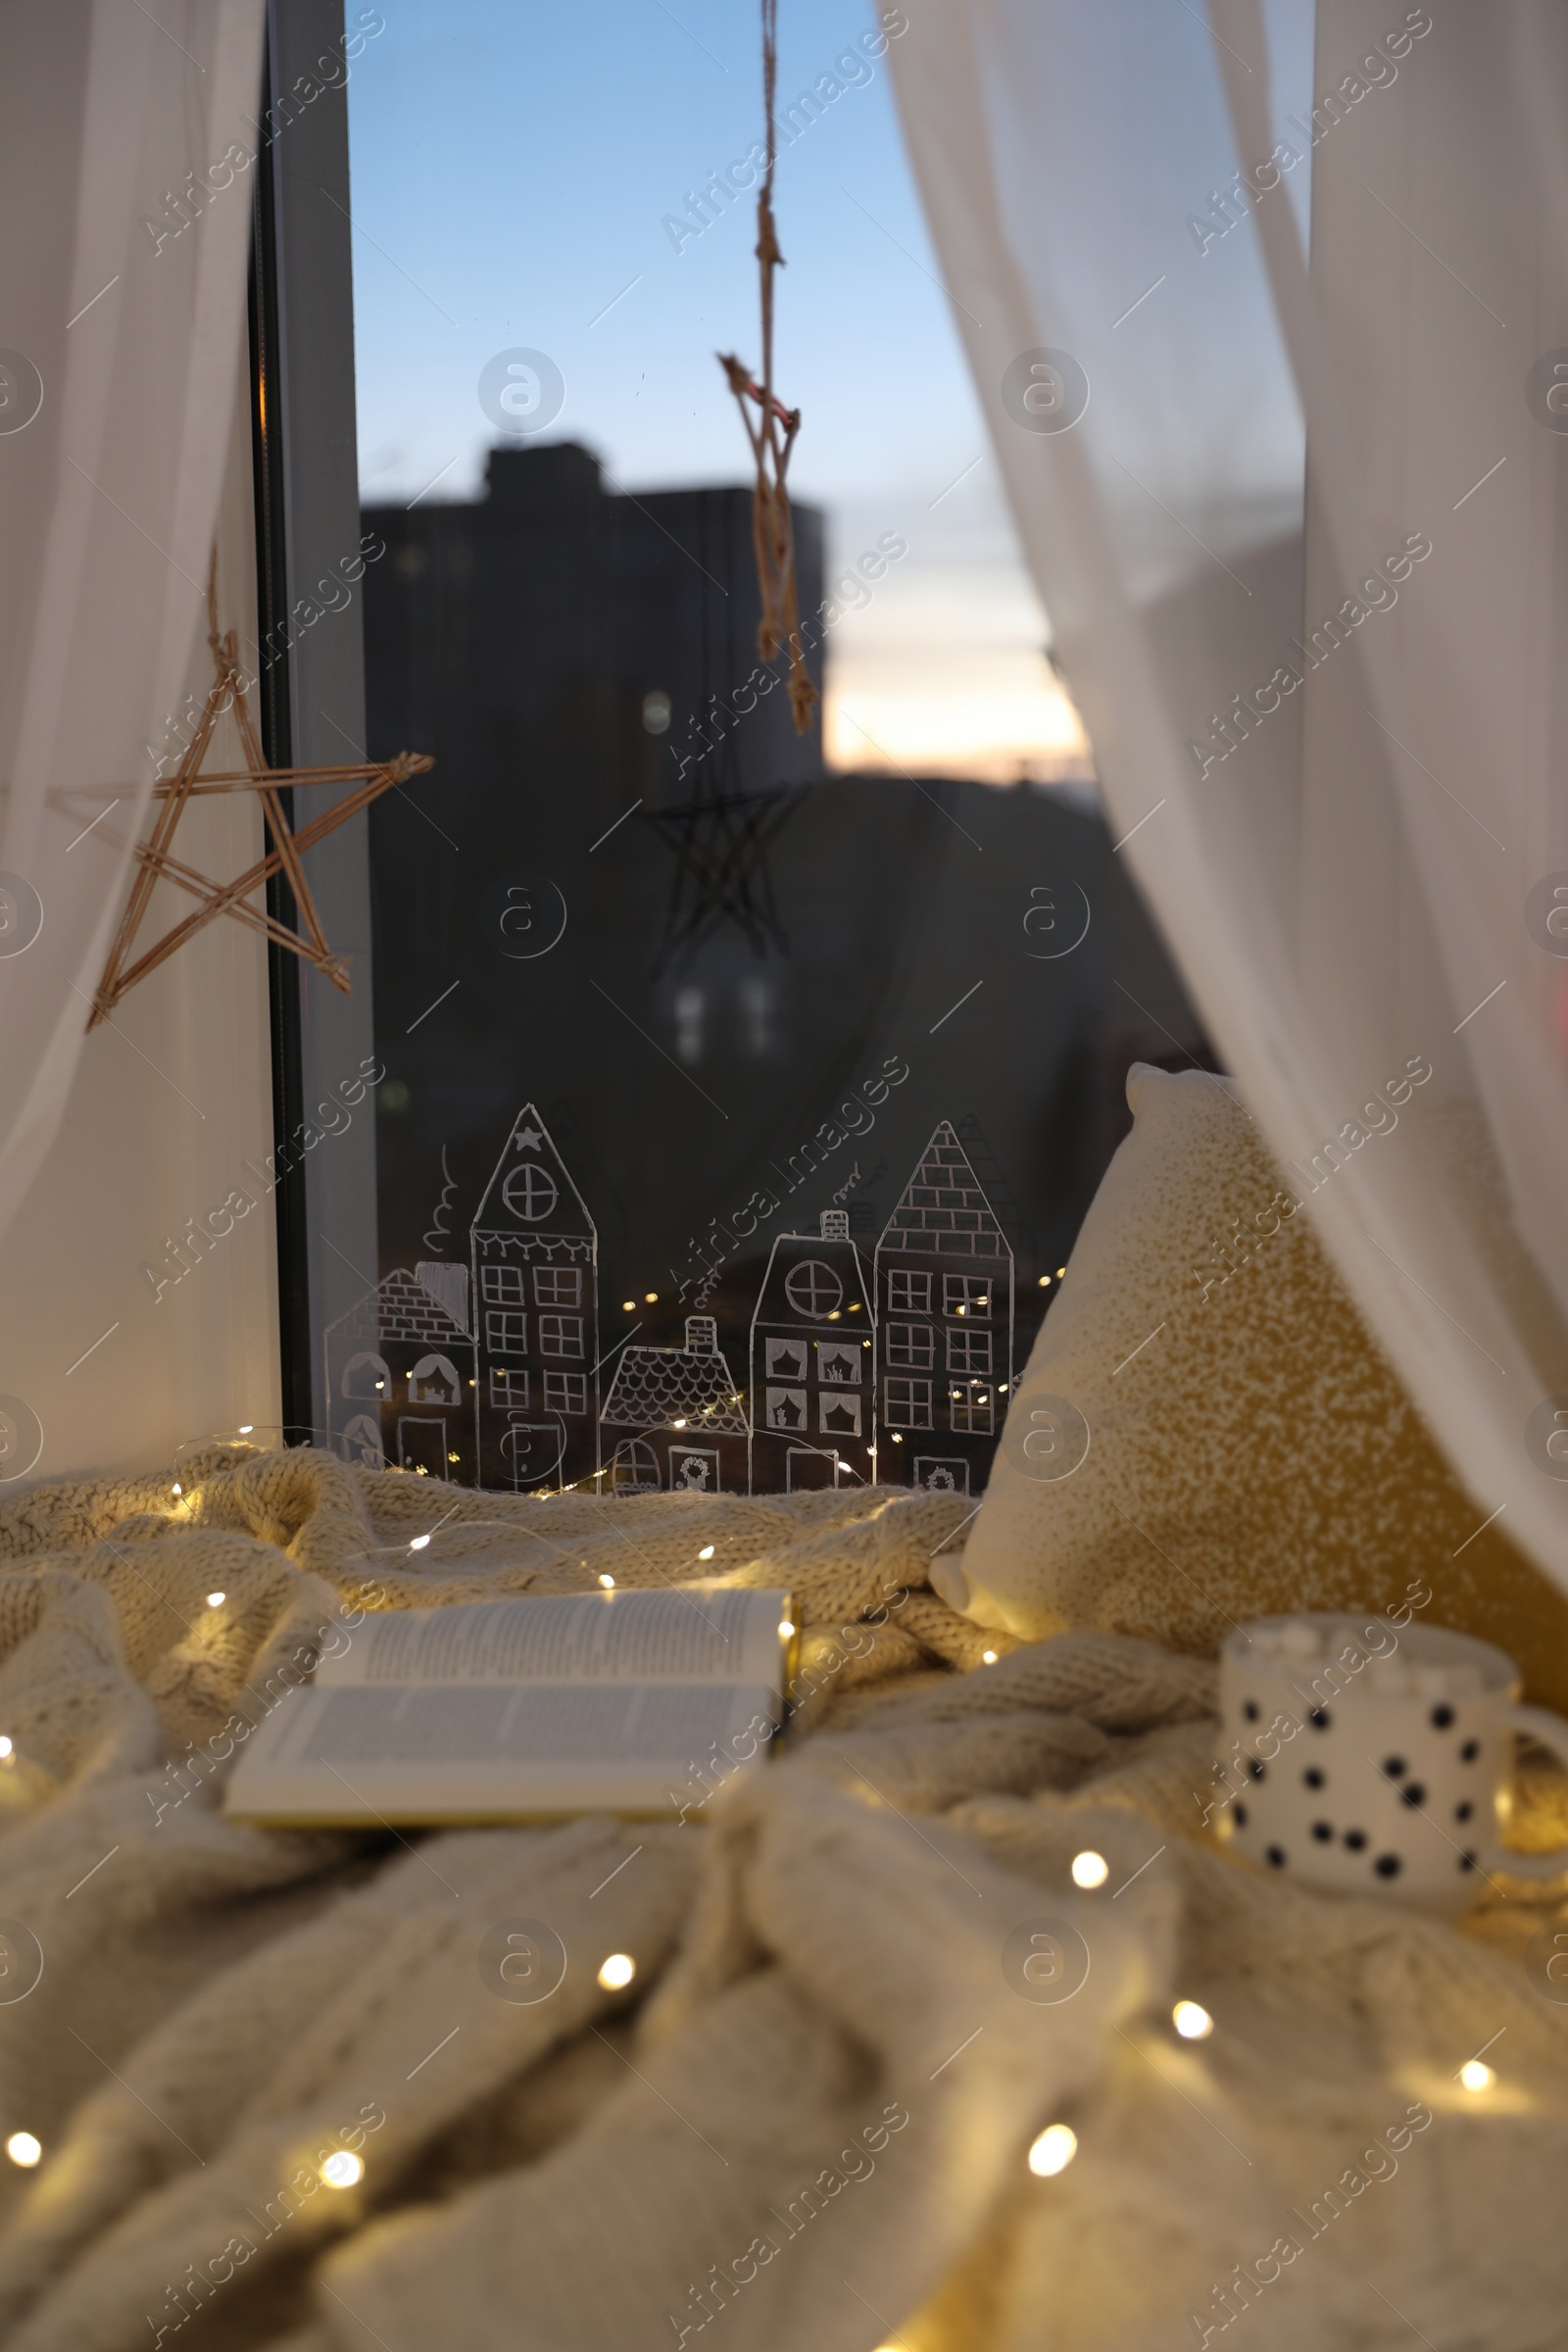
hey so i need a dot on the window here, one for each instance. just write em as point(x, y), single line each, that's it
point(839, 1416)
point(366, 1375)
point(972, 1407)
point(558, 1286)
point(505, 1334)
point(509, 1388)
point(502, 1286)
point(968, 1351)
point(559, 1335)
point(565, 1392)
point(966, 1294)
point(813, 1289)
point(909, 1294)
point(906, 1403)
point(909, 1343)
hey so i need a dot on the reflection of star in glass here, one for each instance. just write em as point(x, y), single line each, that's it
point(529, 1139)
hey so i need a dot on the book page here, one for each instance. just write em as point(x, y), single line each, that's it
point(399, 1752)
point(680, 1635)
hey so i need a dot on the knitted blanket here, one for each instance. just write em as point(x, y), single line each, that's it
point(865, 1981)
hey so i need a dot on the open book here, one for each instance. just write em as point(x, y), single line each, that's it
point(637, 1703)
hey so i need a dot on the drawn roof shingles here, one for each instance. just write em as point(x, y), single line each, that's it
point(656, 1386)
point(399, 1308)
point(942, 1211)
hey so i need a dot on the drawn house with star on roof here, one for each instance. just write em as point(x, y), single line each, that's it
point(535, 1257)
point(813, 1365)
point(674, 1421)
point(945, 1325)
point(400, 1376)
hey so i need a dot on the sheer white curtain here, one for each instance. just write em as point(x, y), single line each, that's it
point(121, 310)
point(1266, 309)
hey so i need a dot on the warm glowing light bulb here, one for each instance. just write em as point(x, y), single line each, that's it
point(650, 1297)
point(245, 1428)
point(1054, 2150)
point(1045, 1282)
point(619, 1969)
point(418, 1542)
point(179, 1489)
point(341, 2169)
point(785, 1628)
point(608, 1582)
point(1090, 1869)
point(628, 1306)
point(1060, 1271)
point(1476, 2074)
point(707, 1552)
point(5, 1745)
point(678, 1424)
point(24, 2149)
point(1191, 2021)
point(988, 1657)
point(215, 1601)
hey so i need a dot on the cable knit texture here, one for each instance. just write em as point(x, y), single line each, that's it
point(1242, 1446)
point(865, 1982)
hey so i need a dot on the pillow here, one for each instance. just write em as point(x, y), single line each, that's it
point(1206, 1432)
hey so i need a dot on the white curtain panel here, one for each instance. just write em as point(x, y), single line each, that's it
point(123, 270)
point(1268, 312)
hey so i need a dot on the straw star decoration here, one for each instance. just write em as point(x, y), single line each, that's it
point(155, 856)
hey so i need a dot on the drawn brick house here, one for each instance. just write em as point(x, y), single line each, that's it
point(945, 1318)
point(674, 1419)
point(400, 1377)
point(535, 1253)
point(813, 1365)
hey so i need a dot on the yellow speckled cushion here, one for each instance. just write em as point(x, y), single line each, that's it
point(1249, 1448)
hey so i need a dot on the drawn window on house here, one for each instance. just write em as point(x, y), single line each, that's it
point(786, 1408)
point(968, 1351)
point(530, 1192)
point(558, 1286)
point(367, 1375)
point(502, 1286)
point(966, 1294)
point(906, 1403)
point(505, 1334)
point(972, 1407)
point(434, 1381)
point(634, 1469)
point(813, 1289)
point(565, 1392)
point(508, 1387)
point(839, 1415)
point(909, 1294)
point(786, 1358)
point(362, 1440)
point(838, 1362)
point(559, 1335)
point(912, 1344)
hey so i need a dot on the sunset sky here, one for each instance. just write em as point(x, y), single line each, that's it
point(510, 205)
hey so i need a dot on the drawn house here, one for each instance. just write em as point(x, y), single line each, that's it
point(536, 1317)
point(813, 1365)
point(945, 1311)
point(400, 1376)
point(673, 1419)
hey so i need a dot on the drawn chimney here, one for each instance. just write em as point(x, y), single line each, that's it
point(702, 1334)
point(835, 1224)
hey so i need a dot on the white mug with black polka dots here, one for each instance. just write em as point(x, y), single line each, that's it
point(1375, 1759)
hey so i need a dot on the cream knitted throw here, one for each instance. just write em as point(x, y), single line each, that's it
point(810, 2135)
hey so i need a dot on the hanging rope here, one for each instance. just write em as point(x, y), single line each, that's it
point(772, 434)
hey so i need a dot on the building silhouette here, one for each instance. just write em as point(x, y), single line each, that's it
point(685, 1415)
point(400, 1381)
point(944, 1325)
point(535, 1253)
point(813, 1365)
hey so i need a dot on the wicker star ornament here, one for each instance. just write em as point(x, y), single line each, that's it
point(155, 855)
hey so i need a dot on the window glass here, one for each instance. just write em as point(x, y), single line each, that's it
point(707, 1045)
